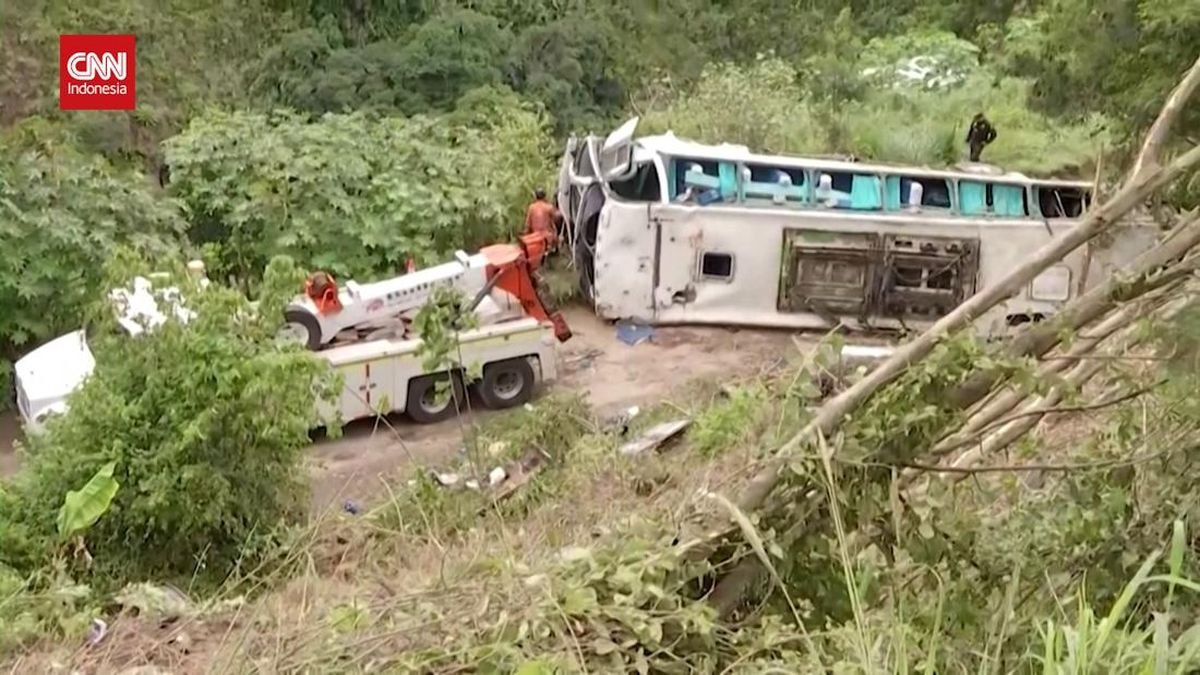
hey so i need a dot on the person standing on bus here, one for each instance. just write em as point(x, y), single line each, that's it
point(542, 216)
point(979, 135)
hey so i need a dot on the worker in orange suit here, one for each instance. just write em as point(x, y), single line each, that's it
point(542, 217)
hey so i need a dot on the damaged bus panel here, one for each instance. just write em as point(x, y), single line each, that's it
point(667, 231)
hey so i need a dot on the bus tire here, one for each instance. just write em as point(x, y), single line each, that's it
point(307, 322)
point(506, 384)
point(424, 406)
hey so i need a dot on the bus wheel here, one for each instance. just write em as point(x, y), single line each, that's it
point(506, 384)
point(428, 402)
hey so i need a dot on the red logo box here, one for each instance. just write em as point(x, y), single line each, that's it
point(96, 72)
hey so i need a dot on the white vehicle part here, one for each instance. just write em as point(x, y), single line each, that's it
point(377, 374)
point(370, 305)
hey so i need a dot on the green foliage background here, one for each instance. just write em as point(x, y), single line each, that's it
point(353, 136)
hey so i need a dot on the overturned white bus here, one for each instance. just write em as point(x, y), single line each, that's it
point(668, 231)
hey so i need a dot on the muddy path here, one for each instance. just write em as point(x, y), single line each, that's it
point(371, 456)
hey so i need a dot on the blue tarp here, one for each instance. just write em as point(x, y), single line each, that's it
point(632, 333)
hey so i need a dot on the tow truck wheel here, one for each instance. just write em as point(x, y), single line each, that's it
point(506, 384)
point(302, 327)
point(427, 405)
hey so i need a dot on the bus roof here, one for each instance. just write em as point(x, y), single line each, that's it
point(672, 145)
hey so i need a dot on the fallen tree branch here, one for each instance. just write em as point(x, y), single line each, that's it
point(1075, 379)
point(1144, 275)
point(1005, 401)
point(1088, 407)
point(1016, 468)
point(1150, 156)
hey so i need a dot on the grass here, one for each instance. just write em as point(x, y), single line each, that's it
point(576, 571)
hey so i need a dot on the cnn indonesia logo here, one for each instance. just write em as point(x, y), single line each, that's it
point(96, 72)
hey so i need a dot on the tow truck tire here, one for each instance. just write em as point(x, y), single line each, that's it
point(506, 384)
point(423, 406)
point(309, 323)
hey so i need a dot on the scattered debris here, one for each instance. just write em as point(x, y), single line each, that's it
point(849, 361)
point(163, 602)
point(633, 334)
point(583, 360)
point(655, 436)
point(97, 632)
point(446, 479)
point(619, 424)
point(497, 476)
point(520, 473)
point(144, 670)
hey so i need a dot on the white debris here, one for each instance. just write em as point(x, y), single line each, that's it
point(497, 476)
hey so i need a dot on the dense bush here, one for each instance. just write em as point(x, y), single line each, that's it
point(63, 212)
point(353, 194)
point(207, 424)
point(770, 107)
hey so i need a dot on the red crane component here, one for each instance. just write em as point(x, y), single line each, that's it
point(322, 288)
point(510, 268)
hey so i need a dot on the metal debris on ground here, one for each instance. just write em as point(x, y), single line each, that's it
point(655, 436)
point(582, 360)
point(850, 359)
point(497, 476)
point(97, 631)
point(633, 334)
point(619, 424)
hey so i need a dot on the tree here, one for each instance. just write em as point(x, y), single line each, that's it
point(351, 194)
point(568, 66)
point(63, 213)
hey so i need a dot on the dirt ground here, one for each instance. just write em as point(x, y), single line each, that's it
point(612, 374)
point(373, 454)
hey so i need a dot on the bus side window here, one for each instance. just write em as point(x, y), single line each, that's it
point(972, 198)
point(933, 192)
point(779, 185)
point(1062, 202)
point(716, 265)
point(703, 181)
point(644, 186)
point(1009, 201)
point(849, 191)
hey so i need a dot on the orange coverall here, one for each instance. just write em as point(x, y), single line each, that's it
point(541, 216)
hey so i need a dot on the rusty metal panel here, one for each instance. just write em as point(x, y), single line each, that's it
point(831, 274)
point(926, 277)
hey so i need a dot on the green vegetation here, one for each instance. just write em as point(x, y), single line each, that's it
point(273, 137)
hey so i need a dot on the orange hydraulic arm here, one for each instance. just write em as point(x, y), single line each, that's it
point(323, 290)
point(511, 268)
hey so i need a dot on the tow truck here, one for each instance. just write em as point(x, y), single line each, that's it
point(364, 332)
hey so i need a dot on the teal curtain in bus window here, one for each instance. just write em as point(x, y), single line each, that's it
point(972, 198)
point(728, 175)
point(1008, 200)
point(864, 193)
point(891, 193)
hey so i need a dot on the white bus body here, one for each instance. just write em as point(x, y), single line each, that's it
point(667, 231)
